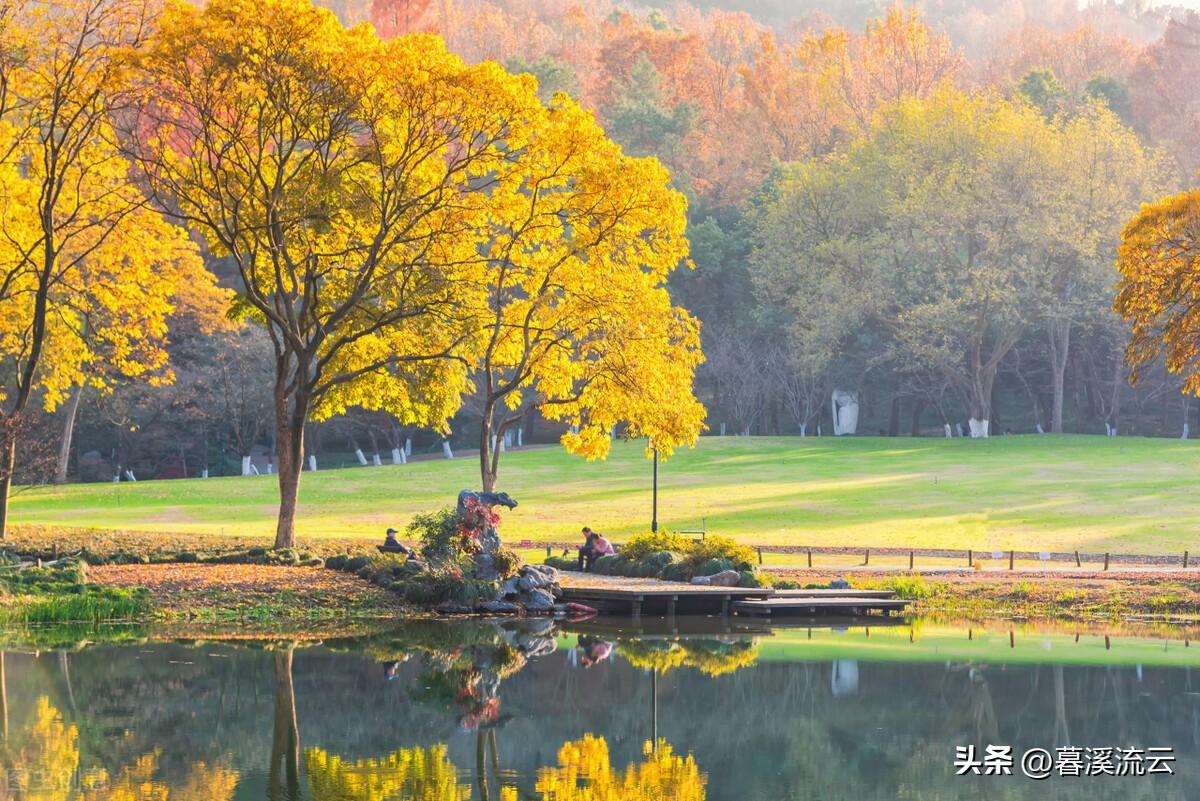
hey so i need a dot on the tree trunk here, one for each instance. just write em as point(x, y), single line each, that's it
point(487, 473)
point(3, 699)
point(8, 463)
point(894, 417)
point(285, 739)
point(1059, 336)
point(917, 410)
point(68, 435)
point(290, 434)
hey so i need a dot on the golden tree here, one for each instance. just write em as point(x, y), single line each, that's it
point(88, 271)
point(1159, 291)
point(370, 192)
point(579, 323)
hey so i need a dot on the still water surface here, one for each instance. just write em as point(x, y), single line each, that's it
point(467, 711)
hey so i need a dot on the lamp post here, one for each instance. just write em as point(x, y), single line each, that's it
point(654, 501)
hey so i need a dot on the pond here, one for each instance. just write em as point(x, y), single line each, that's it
point(442, 711)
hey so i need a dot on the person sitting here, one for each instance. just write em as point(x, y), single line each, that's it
point(390, 543)
point(586, 554)
point(595, 547)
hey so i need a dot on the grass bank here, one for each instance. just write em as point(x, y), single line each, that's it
point(1165, 596)
point(1053, 493)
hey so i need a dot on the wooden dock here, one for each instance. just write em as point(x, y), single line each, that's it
point(637, 597)
point(852, 605)
point(668, 600)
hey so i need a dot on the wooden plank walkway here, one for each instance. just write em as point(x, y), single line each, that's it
point(635, 596)
point(851, 593)
point(813, 605)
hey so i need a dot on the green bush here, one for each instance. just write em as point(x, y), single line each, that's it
point(562, 562)
point(711, 566)
point(356, 563)
point(187, 557)
point(439, 533)
point(506, 562)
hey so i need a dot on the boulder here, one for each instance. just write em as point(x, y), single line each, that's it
point(499, 607)
point(726, 578)
point(839, 584)
point(532, 581)
point(508, 587)
point(538, 600)
point(545, 570)
point(451, 608)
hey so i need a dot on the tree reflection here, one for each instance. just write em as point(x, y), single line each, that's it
point(283, 776)
point(45, 766)
point(711, 657)
point(585, 773)
point(408, 774)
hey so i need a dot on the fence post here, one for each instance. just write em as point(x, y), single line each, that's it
point(867, 557)
point(548, 554)
point(910, 560)
point(1106, 561)
point(970, 558)
point(810, 557)
point(1011, 556)
point(760, 561)
point(1185, 556)
point(1077, 562)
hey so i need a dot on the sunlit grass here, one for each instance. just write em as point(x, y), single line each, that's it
point(1052, 493)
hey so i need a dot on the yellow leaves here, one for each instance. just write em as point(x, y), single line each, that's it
point(1159, 291)
point(409, 774)
point(50, 754)
point(585, 773)
point(89, 273)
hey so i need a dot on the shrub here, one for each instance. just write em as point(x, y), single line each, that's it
point(336, 562)
point(678, 571)
point(712, 566)
point(187, 557)
point(506, 562)
point(354, 564)
point(740, 557)
point(645, 544)
point(562, 562)
point(440, 534)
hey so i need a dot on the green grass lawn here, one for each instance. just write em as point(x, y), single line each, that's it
point(1027, 492)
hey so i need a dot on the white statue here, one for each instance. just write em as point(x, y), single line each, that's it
point(845, 412)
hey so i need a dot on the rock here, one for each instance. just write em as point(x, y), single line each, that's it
point(545, 570)
point(726, 578)
point(538, 600)
point(451, 608)
point(839, 584)
point(533, 581)
point(507, 587)
point(499, 607)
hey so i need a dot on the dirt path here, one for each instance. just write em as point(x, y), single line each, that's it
point(250, 591)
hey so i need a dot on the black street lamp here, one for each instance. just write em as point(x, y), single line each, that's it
point(654, 503)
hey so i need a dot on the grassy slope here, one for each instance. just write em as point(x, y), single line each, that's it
point(1049, 492)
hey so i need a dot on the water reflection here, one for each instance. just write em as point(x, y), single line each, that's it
point(438, 711)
